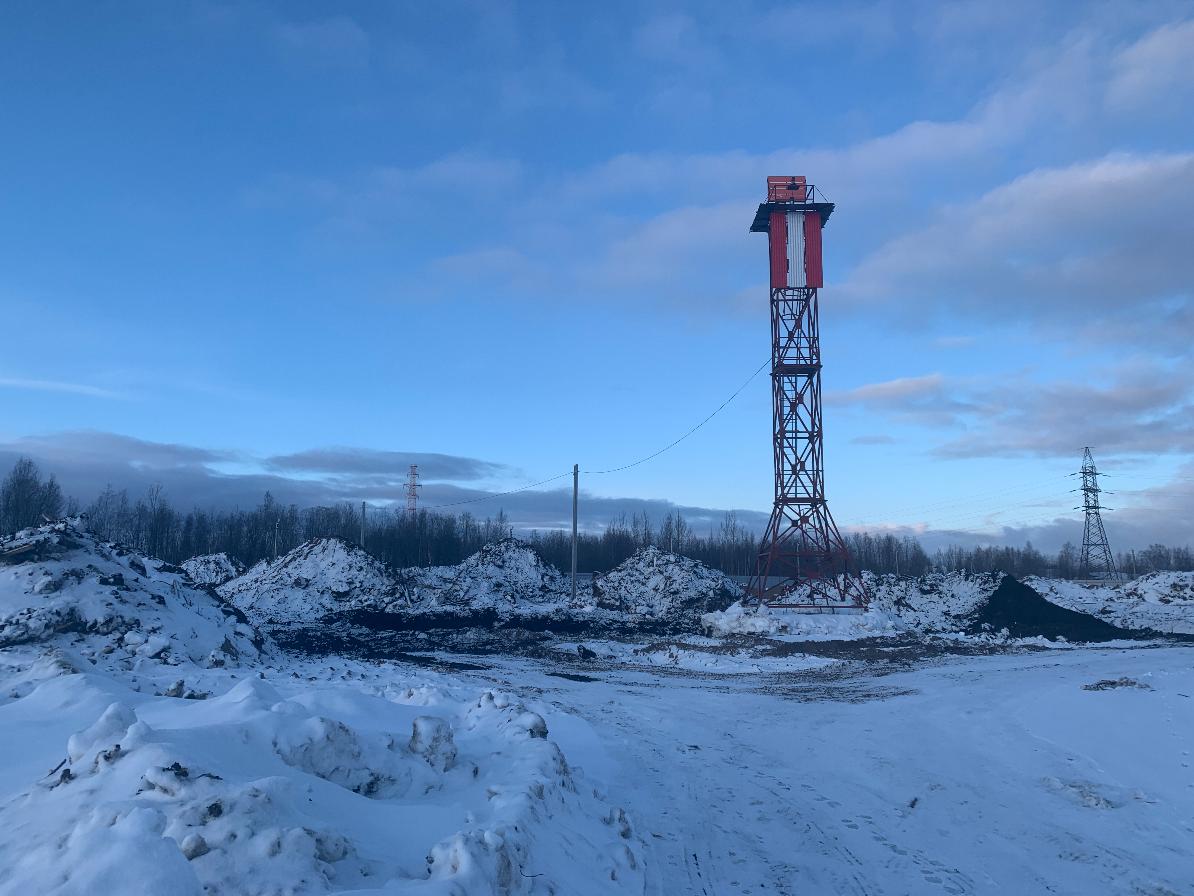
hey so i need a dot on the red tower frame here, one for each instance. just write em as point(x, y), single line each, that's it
point(803, 561)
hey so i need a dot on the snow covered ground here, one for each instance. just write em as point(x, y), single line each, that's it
point(156, 742)
point(984, 774)
point(304, 778)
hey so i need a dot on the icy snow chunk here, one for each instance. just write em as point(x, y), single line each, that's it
point(480, 861)
point(193, 846)
point(107, 730)
point(370, 765)
point(431, 738)
point(154, 646)
point(530, 722)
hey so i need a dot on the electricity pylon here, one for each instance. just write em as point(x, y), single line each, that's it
point(1097, 561)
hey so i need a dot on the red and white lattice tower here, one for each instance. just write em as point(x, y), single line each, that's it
point(412, 489)
point(803, 561)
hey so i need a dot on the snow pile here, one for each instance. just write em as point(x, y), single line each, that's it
point(316, 579)
point(503, 576)
point(508, 585)
point(62, 587)
point(936, 604)
point(212, 569)
point(296, 788)
point(691, 653)
point(1161, 601)
point(931, 604)
point(771, 621)
point(1163, 588)
point(665, 587)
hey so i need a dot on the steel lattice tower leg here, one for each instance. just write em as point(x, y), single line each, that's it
point(803, 560)
point(1097, 561)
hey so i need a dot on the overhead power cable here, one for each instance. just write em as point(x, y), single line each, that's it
point(956, 500)
point(671, 445)
point(642, 460)
point(490, 497)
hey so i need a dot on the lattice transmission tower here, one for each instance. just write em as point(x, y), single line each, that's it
point(803, 561)
point(1096, 562)
point(412, 489)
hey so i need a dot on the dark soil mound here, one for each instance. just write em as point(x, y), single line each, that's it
point(1025, 614)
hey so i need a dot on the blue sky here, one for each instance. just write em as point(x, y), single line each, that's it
point(298, 246)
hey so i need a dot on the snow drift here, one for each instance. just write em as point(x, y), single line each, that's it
point(299, 787)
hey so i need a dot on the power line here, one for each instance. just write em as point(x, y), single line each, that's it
point(672, 445)
point(643, 460)
point(961, 499)
point(491, 497)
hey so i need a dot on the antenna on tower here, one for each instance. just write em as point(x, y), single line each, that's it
point(412, 489)
point(1096, 561)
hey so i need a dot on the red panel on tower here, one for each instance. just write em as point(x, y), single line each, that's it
point(786, 189)
point(812, 251)
point(778, 234)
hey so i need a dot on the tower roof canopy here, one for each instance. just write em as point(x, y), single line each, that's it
point(789, 193)
point(762, 219)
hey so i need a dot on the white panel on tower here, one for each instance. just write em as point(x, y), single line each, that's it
point(796, 276)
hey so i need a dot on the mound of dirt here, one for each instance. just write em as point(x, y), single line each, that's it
point(1025, 614)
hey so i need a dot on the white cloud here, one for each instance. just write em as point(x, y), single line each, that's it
point(1158, 66)
point(59, 386)
point(1141, 409)
point(1096, 239)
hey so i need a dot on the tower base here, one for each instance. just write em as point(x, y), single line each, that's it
point(804, 564)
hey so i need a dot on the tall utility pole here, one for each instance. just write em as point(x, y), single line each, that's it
point(575, 502)
point(362, 524)
point(412, 489)
point(1097, 561)
point(803, 561)
point(276, 523)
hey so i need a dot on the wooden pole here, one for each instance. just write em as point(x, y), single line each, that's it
point(575, 498)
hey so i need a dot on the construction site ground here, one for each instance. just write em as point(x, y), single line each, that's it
point(890, 769)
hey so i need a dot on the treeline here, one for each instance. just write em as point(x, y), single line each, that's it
point(152, 525)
